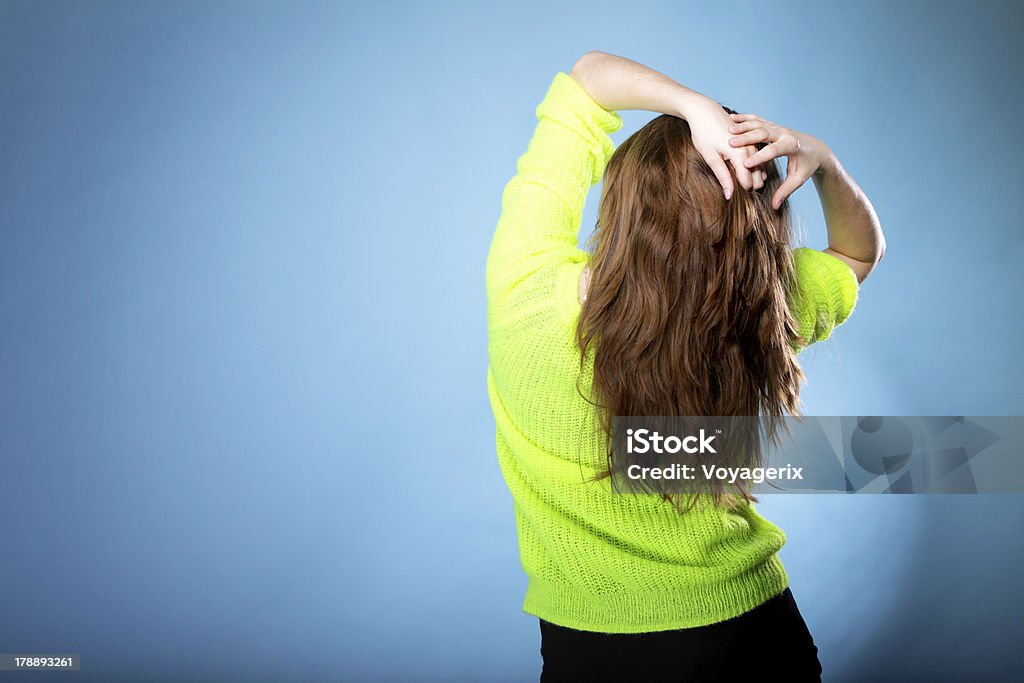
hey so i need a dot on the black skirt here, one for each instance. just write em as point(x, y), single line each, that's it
point(772, 639)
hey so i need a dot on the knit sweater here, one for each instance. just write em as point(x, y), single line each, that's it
point(597, 560)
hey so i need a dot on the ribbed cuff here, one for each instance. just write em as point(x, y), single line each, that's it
point(836, 275)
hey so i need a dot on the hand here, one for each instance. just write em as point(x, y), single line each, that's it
point(709, 126)
point(805, 154)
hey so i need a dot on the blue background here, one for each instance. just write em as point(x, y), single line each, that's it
point(243, 413)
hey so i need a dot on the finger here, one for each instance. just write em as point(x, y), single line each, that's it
point(752, 137)
point(757, 175)
point(743, 173)
point(744, 117)
point(765, 154)
point(721, 172)
point(781, 147)
point(794, 179)
point(743, 127)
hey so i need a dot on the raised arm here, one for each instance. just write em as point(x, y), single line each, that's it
point(854, 232)
point(542, 205)
point(618, 83)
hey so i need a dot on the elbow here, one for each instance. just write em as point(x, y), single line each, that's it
point(591, 55)
point(879, 251)
point(584, 63)
point(868, 266)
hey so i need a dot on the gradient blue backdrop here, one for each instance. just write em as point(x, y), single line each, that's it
point(243, 414)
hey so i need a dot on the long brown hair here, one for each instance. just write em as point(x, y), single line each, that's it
point(686, 312)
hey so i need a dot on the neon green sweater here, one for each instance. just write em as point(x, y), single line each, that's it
point(596, 560)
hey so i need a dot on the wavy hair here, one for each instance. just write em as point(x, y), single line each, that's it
point(686, 312)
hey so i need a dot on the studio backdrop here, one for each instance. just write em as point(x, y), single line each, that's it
point(244, 427)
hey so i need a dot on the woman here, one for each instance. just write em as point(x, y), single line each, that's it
point(693, 303)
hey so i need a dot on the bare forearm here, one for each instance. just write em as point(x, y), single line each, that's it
point(618, 83)
point(854, 230)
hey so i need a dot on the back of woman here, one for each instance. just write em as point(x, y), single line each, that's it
point(693, 303)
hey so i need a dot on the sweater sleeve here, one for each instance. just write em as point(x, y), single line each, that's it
point(825, 294)
point(542, 205)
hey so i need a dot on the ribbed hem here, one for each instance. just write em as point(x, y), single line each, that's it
point(644, 612)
